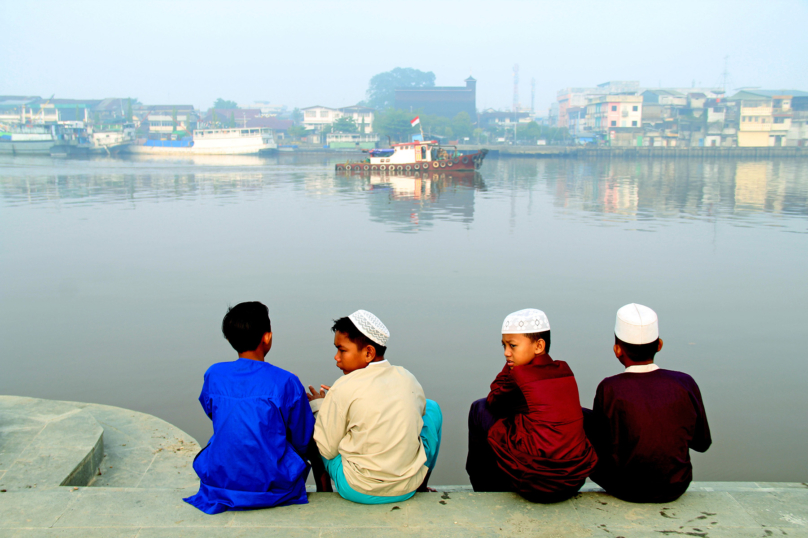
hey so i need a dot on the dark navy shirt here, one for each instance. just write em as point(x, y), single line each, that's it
point(644, 425)
point(262, 425)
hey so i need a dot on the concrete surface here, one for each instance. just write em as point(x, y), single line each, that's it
point(146, 471)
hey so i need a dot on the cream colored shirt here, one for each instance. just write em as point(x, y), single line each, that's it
point(373, 418)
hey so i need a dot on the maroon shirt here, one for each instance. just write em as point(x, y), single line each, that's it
point(643, 427)
point(540, 443)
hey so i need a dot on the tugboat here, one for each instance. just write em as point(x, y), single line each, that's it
point(417, 155)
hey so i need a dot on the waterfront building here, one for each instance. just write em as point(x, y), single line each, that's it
point(361, 115)
point(580, 97)
point(352, 140)
point(766, 118)
point(490, 118)
point(315, 118)
point(17, 108)
point(608, 113)
point(169, 121)
point(446, 101)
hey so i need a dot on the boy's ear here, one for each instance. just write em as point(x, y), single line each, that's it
point(659, 347)
point(618, 351)
point(539, 346)
point(267, 339)
point(369, 353)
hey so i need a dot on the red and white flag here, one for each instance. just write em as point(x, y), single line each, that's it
point(415, 121)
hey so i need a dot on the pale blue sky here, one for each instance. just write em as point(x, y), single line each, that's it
point(304, 53)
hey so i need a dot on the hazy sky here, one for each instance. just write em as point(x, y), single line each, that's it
point(302, 53)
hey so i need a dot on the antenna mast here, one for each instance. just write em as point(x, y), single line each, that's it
point(516, 88)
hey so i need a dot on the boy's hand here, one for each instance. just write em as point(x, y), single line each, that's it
point(314, 394)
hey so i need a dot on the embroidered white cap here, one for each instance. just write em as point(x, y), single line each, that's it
point(526, 321)
point(370, 326)
point(636, 324)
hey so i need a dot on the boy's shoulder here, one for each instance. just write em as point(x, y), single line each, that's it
point(660, 375)
point(264, 370)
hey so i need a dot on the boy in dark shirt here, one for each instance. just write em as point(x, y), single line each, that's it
point(262, 424)
point(528, 435)
point(646, 419)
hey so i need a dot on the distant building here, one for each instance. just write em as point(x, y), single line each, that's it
point(446, 101)
point(616, 117)
point(765, 118)
point(352, 140)
point(580, 97)
point(491, 118)
point(169, 121)
point(239, 117)
point(317, 117)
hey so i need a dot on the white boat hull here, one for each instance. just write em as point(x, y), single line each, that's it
point(26, 147)
point(153, 150)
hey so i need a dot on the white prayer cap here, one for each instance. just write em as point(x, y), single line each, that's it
point(370, 326)
point(636, 324)
point(526, 321)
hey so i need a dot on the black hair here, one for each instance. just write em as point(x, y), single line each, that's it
point(638, 352)
point(347, 327)
point(245, 324)
point(544, 335)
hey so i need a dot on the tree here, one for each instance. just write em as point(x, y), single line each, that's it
point(232, 120)
point(221, 103)
point(296, 131)
point(174, 118)
point(129, 110)
point(381, 92)
point(393, 123)
point(345, 124)
point(297, 116)
point(462, 126)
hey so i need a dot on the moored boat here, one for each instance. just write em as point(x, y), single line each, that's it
point(238, 141)
point(28, 140)
point(417, 155)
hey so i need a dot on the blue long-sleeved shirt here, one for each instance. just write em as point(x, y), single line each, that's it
point(262, 425)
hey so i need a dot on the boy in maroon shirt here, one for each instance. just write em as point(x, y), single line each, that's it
point(528, 435)
point(645, 420)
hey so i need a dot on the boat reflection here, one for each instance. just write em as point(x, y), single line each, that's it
point(415, 200)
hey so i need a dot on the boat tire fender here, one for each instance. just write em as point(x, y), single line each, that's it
point(443, 164)
point(367, 167)
point(383, 167)
point(435, 164)
point(408, 167)
point(465, 160)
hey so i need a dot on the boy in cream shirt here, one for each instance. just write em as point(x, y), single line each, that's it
point(377, 434)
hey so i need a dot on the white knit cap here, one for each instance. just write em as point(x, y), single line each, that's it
point(636, 324)
point(370, 326)
point(526, 321)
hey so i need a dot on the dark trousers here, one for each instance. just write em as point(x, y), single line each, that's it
point(481, 463)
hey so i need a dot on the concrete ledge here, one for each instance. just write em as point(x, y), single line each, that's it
point(151, 459)
point(47, 444)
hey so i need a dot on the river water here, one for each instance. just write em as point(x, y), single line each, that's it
point(115, 275)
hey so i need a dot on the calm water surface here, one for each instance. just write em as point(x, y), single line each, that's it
point(115, 275)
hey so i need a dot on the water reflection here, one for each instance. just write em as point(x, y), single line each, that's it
point(646, 192)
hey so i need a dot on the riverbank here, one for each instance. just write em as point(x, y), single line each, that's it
point(49, 486)
point(584, 152)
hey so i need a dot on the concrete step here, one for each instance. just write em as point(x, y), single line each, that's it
point(46, 444)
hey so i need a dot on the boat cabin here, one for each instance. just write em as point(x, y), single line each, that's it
point(412, 152)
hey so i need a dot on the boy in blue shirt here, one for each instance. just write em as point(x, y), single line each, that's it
point(262, 424)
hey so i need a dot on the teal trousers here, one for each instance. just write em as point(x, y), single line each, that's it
point(430, 437)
